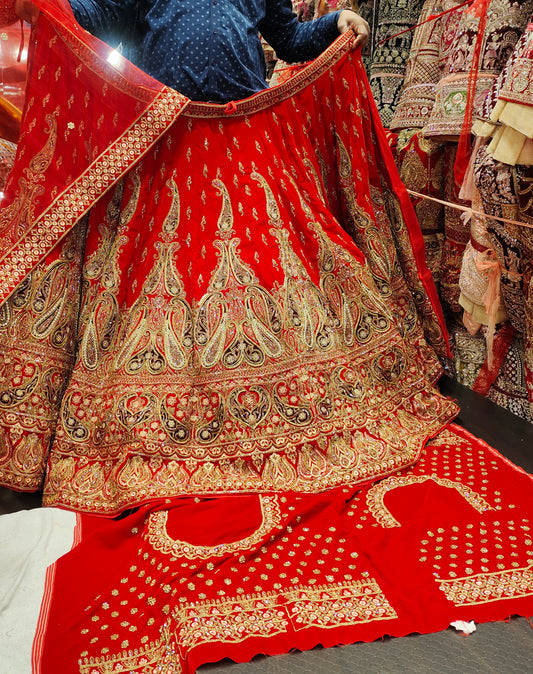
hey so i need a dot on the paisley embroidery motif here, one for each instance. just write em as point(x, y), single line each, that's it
point(228, 335)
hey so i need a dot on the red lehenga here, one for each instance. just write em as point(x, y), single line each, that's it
point(184, 314)
point(175, 585)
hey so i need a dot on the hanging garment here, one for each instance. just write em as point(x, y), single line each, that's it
point(423, 68)
point(391, 53)
point(420, 163)
point(506, 112)
point(506, 22)
point(504, 187)
point(209, 326)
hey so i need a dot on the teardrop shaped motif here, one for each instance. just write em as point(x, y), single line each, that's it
point(278, 470)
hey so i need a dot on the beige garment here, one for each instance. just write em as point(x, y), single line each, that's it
point(509, 124)
point(30, 540)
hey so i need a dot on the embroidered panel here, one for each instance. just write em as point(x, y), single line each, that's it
point(326, 574)
point(488, 587)
point(390, 59)
point(506, 22)
point(422, 71)
point(232, 336)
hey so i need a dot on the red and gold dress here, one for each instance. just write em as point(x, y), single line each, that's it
point(204, 299)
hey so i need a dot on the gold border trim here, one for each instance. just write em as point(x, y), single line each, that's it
point(160, 540)
point(496, 586)
point(268, 614)
point(268, 97)
point(77, 199)
point(376, 495)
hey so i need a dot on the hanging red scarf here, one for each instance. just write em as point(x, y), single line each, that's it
point(478, 8)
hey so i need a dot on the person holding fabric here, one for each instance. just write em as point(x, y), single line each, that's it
point(215, 46)
point(207, 298)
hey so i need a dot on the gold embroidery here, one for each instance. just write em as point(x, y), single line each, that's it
point(252, 380)
point(156, 654)
point(37, 333)
point(236, 619)
point(376, 495)
point(158, 537)
point(83, 192)
point(483, 588)
point(342, 604)
point(22, 209)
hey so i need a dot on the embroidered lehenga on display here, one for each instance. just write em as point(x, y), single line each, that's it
point(167, 589)
point(230, 335)
point(502, 173)
point(391, 53)
point(445, 52)
point(230, 305)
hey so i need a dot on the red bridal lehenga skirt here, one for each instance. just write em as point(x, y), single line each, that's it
point(239, 337)
point(243, 311)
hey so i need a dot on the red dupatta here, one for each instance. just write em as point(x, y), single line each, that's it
point(83, 128)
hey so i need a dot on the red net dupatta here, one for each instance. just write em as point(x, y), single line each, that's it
point(86, 122)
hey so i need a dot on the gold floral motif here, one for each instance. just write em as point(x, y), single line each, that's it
point(160, 540)
point(248, 334)
point(376, 495)
point(229, 620)
point(236, 619)
point(342, 604)
point(483, 588)
point(156, 655)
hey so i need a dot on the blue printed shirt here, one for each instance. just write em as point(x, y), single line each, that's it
point(208, 50)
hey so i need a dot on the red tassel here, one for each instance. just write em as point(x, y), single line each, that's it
point(21, 46)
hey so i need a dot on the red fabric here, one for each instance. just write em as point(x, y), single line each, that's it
point(193, 581)
point(252, 309)
point(78, 138)
point(57, 194)
point(8, 15)
point(490, 370)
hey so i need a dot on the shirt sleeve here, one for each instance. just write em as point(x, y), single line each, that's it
point(293, 40)
point(100, 17)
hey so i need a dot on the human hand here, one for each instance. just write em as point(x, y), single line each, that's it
point(349, 20)
point(27, 11)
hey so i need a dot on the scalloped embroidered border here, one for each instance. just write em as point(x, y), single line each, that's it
point(376, 495)
point(160, 540)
